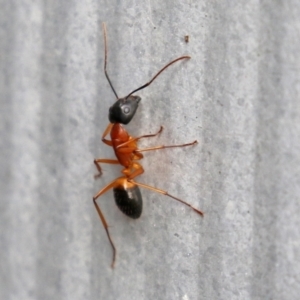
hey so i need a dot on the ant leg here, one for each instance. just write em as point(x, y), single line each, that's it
point(107, 232)
point(140, 137)
point(104, 223)
point(164, 147)
point(167, 194)
point(105, 133)
point(104, 161)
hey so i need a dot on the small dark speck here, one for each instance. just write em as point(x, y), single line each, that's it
point(176, 234)
point(186, 38)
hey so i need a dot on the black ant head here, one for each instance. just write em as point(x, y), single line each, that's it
point(124, 109)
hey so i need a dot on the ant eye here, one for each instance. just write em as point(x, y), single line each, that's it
point(126, 110)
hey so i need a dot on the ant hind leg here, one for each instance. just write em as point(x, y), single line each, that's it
point(102, 218)
point(166, 194)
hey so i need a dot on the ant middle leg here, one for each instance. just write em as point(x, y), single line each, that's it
point(104, 161)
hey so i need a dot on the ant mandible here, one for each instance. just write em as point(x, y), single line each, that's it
point(126, 190)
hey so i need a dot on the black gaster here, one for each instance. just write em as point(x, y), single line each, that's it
point(129, 201)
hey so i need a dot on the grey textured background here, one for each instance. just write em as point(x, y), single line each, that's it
point(238, 96)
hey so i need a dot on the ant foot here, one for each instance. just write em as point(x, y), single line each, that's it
point(96, 176)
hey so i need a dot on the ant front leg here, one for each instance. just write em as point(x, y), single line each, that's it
point(105, 133)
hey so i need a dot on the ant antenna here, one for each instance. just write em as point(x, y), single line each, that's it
point(105, 60)
point(148, 83)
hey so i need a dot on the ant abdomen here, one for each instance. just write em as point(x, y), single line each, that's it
point(129, 200)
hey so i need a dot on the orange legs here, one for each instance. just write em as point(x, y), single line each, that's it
point(133, 171)
point(166, 194)
point(104, 161)
point(129, 181)
point(130, 173)
point(102, 218)
point(139, 137)
point(164, 147)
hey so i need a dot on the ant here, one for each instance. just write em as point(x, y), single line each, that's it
point(126, 190)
